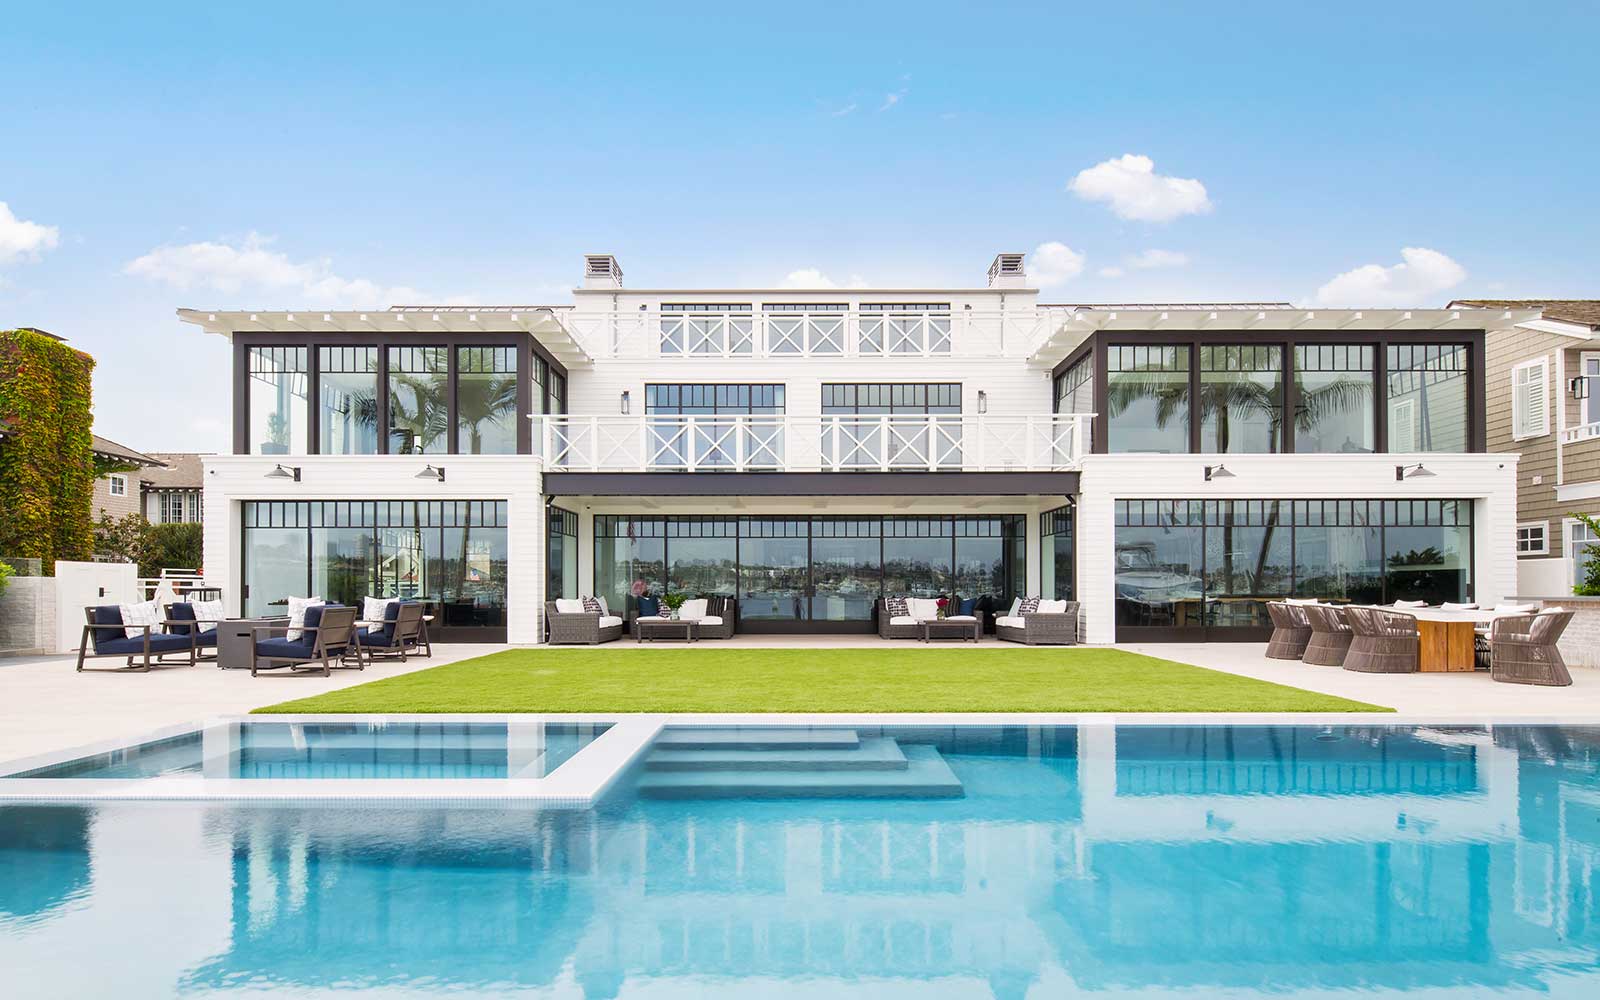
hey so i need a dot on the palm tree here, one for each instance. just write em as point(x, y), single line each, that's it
point(428, 416)
point(484, 400)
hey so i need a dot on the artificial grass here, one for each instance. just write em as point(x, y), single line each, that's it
point(892, 679)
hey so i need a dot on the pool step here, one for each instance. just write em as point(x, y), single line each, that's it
point(925, 776)
point(758, 739)
point(871, 754)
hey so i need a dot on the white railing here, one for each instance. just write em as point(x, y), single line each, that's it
point(788, 443)
point(1582, 432)
point(958, 332)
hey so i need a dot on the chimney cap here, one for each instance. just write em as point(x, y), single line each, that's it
point(1007, 271)
point(601, 270)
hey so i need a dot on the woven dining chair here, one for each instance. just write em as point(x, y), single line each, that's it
point(1522, 649)
point(1383, 642)
point(1290, 631)
point(1330, 636)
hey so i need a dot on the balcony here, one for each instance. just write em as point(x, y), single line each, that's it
point(1049, 442)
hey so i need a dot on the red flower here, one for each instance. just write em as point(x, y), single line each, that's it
point(944, 602)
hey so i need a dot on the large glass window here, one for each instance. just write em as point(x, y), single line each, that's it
point(1194, 563)
point(277, 399)
point(486, 400)
point(419, 400)
point(562, 557)
point(1427, 398)
point(989, 560)
point(630, 560)
point(846, 568)
point(705, 443)
point(347, 400)
point(1334, 398)
point(1147, 399)
point(1241, 398)
point(703, 555)
point(1057, 569)
point(717, 328)
point(918, 558)
point(774, 578)
point(903, 328)
point(449, 554)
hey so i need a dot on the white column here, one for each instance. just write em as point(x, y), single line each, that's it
point(1095, 545)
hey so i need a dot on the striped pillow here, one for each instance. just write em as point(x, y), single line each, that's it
point(1028, 606)
point(591, 605)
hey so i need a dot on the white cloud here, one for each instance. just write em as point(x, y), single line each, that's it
point(1052, 263)
point(890, 100)
point(1420, 277)
point(24, 240)
point(1151, 259)
point(1130, 185)
point(1112, 272)
point(810, 277)
point(251, 265)
point(841, 112)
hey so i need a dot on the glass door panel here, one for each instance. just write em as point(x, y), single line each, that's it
point(846, 573)
point(774, 577)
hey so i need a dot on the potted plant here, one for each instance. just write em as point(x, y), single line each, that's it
point(944, 607)
point(672, 602)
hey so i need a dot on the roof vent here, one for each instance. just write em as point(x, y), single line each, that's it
point(1007, 271)
point(601, 270)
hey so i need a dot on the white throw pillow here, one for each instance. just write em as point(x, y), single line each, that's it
point(605, 610)
point(1053, 607)
point(134, 615)
point(1516, 609)
point(1410, 604)
point(1553, 611)
point(374, 608)
point(1302, 601)
point(208, 612)
point(693, 610)
point(297, 614)
point(922, 608)
point(1016, 606)
point(1453, 606)
point(569, 605)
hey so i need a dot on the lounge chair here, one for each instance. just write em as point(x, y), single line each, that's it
point(580, 627)
point(1522, 649)
point(1041, 628)
point(1384, 642)
point(1330, 636)
point(1291, 630)
point(105, 635)
point(401, 630)
point(327, 638)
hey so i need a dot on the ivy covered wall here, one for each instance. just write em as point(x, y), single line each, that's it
point(46, 462)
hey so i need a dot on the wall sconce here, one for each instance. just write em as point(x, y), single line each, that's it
point(1579, 387)
point(1418, 471)
point(279, 472)
point(1218, 472)
point(983, 401)
point(627, 403)
point(429, 472)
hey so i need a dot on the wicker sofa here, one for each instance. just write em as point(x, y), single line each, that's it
point(580, 628)
point(887, 629)
point(717, 606)
point(1042, 628)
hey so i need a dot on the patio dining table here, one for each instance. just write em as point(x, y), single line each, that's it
point(1445, 638)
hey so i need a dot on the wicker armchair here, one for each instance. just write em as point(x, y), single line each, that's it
point(1291, 632)
point(1044, 629)
point(1522, 649)
point(887, 631)
point(1383, 642)
point(581, 628)
point(1330, 636)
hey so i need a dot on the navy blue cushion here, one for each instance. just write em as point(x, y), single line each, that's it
point(207, 638)
point(105, 614)
point(969, 605)
point(181, 613)
point(649, 606)
point(159, 643)
point(299, 649)
point(383, 638)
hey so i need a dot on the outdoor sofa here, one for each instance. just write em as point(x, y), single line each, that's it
point(579, 627)
point(1040, 628)
point(910, 626)
point(105, 635)
point(718, 620)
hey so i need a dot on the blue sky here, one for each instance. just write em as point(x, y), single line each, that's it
point(303, 155)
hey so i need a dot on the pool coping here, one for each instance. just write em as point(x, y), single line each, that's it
point(582, 781)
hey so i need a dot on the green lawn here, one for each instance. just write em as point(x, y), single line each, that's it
point(904, 678)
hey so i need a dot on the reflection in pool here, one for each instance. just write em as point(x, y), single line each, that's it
point(1098, 860)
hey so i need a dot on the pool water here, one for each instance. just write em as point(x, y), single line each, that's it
point(260, 749)
point(1094, 861)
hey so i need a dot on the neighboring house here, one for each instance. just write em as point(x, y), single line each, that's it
point(1544, 404)
point(118, 493)
point(1169, 466)
point(171, 493)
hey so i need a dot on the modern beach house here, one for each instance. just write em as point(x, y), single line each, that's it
point(1168, 466)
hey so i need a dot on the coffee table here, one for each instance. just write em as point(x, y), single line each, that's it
point(236, 646)
point(665, 628)
point(951, 628)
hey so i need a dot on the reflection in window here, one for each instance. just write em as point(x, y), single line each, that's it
point(1338, 551)
point(1160, 564)
point(846, 568)
point(277, 398)
point(1056, 567)
point(486, 400)
point(419, 400)
point(629, 560)
point(1428, 397)
point(1241, 398)
point(918, 560)
point(1247, 561)
point(703, 554)
point(990, 561)
point(773, 569)
point(347, 400)
point(1426, 546)
point(1334, 393)
point(562, 561)
point(1147, 398)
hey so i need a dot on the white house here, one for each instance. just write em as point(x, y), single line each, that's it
point(1168, 466)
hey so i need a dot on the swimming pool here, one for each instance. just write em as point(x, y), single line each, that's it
point(1097, 859)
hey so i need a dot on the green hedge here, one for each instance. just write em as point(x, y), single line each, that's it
point(46, 459)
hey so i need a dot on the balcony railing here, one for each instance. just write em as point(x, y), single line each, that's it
point(785, 443)
point(883, 333)
point(1582, 432)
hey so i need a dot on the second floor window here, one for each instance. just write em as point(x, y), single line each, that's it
point(904, 328)
point(1335, 399)
point(117, 486)
point(486, 400)
point(707, 442)
point(277, 400)
point(1530, 406)
point(707, 328)
point(1241, 398)
point(347, 400)
point(419, 400)
point(1147, 398)
point(1428, 401)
